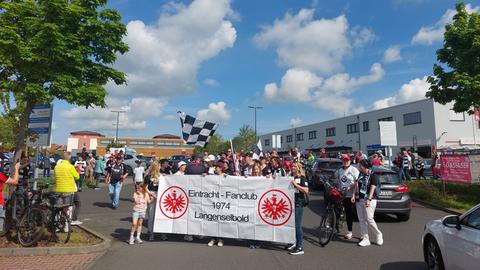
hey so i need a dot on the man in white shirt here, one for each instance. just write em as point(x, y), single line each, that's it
point(138, 172)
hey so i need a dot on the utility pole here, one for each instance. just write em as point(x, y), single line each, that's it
point(255, 108)
point(118, 119)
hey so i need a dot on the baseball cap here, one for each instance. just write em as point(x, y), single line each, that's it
point(181, 163)
point(345, 157)
point(207, 159)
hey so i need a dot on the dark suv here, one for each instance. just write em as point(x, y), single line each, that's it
point(394, 194)
point(323, 168)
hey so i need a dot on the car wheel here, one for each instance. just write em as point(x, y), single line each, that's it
point(433, 255)
point(403, 217)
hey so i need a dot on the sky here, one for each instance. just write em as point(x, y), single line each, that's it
point(303, 61)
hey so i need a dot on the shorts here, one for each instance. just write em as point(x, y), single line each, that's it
point(138, 214)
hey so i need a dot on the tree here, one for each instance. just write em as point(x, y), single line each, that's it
point(58, 49)
point(245, 138)
point(216, 145)
point(459, 80)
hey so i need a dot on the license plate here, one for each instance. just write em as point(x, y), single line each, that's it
point(386, 193)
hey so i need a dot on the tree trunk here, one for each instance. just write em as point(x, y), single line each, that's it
point(22, 132)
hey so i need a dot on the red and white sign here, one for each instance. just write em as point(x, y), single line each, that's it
point(173, 203)
point(255, 208)
point(455, 168)
point(275, 207)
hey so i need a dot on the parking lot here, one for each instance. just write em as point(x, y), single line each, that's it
point(401, 250)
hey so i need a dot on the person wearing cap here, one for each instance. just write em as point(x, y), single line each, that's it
point(138, 172)
point(117, 176)
point(182, 167)
point(345, 178)
point(367, 202)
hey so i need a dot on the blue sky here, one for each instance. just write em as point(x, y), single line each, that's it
point(304, 61)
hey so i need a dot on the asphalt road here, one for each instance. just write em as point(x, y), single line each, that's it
point(401, 250)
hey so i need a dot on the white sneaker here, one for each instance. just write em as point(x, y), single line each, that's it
point(220, 243)
point(292, 247)
point(364, 243)
point(76, 222)
point(379, 240)
point(211, 243)
point(131, 241)
point(348, 236)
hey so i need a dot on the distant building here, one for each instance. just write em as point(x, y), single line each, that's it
point(164, 145)
point(421, 125)
point(83, 139)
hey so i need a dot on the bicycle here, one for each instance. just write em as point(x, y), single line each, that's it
point(15, 207)
point(333, 219)
point(57, 216)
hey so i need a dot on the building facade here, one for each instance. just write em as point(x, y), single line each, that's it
point(164, 145)
point(83, 139)
point(421, 125)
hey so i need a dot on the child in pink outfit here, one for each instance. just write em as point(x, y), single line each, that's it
point(141, 199)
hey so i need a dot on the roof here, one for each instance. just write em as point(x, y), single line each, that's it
point(86, 132)
point(167, 136)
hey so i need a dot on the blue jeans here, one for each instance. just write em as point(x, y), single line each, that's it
point(114, 192)
point(80, 181)
point(46, 172)
point(298, 227)
point(401, 174)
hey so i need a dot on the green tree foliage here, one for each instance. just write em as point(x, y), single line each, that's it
point(58, 49)
point(114, 145)
point(216, 145)
point(245, 138)
point(457, 77)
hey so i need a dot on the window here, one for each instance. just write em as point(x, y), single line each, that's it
point(412, 118)
point(105, 142)
point(366, 126)
point(472, 220)
point(281, 139)
point(267, 142)
point(299, 137)
point(289, 138)
point(122, 142)
point(330, 132)
point(312, 135)
point(352, 128)
point(457, 116)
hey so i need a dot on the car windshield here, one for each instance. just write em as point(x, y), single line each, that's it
point(389, 178)
point(332, 165)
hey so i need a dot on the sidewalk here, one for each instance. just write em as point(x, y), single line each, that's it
point(52, 262)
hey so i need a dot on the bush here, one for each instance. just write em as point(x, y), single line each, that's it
point(459, 197)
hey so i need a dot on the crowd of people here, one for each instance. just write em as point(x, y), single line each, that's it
point(359, 185)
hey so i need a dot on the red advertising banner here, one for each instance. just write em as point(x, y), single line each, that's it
point(455, 168)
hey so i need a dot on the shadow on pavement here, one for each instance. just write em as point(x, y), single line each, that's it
point(403, 265)
point(103, 204)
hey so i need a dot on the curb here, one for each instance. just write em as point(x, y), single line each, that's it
point(98, 248)
point(450, 211)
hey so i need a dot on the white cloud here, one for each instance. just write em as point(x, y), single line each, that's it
point(329, 94)
point(211, 82)
point(319, 46)
point(392, 54)
point(136, 113)
point(163, 61)
point(411, 91)
point(430, 34)
point(295, 122)
point(216, 113)
point(170, 117)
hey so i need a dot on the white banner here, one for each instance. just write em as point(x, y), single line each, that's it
point(255, 208)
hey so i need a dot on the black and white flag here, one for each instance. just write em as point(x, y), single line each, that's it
point(196, 131)
point(257, 150)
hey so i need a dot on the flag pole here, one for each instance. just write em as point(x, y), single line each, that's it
point(234, 157)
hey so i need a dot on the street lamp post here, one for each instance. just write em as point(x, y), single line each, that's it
point(255, 108)
point(118, 118)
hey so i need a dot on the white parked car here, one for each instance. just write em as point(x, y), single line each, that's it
point(453, 242)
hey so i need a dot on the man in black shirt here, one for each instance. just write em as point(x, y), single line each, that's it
point(164, 167)
point(117, 176)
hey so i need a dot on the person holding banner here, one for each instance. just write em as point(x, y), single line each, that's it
point(301, 200)
point(219, 172)
point(152, 179)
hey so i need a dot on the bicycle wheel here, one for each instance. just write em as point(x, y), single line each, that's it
point(7, 220)
point(62, 228)
point(327, 227)
point(30, 228)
